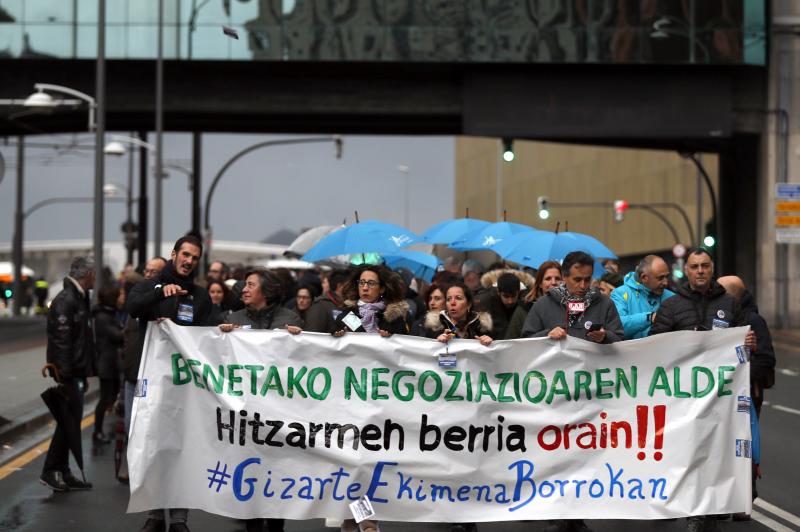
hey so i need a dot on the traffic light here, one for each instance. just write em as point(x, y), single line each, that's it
point(508, 150)
point(544, 207)
point(620, 206)
point(710, 240)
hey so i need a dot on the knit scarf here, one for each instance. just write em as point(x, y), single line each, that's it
point(169, 275)
point(563, 295)
point(369, 314)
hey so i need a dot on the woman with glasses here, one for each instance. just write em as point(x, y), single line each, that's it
point(303, 300)
point(374, 303)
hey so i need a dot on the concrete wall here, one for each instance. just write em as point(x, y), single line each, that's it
point(577, 173)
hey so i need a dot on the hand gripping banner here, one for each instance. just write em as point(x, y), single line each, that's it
point(267, 424)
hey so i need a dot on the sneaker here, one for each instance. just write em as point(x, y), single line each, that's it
point(154, 525)
point(178, 527)
point(75, 483)
point(54, 480)
point(100, 439)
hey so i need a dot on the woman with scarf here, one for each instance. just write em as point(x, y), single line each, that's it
point(380, 307)
point(262, 295)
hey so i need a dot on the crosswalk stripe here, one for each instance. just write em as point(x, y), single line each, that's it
point(769, 522)
point(786, 409)
point(774, 510)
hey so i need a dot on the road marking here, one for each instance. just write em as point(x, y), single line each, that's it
point(29, 456)
point(774, 510)
point(789, 372)
point(786, 409)
point(769, 522)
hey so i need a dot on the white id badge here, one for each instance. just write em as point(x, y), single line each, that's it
point(352, 321)
point(185, 312)
point(362, 509)
point(447, 360)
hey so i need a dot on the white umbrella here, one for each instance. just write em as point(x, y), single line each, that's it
point(7, 268)
point(309, 238)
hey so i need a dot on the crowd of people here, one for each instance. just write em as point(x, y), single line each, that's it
point(463, 300)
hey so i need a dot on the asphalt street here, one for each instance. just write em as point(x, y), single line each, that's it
point(25, 505)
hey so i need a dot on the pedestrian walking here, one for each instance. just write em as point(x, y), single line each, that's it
point(174, 296)
point(70, 349)
point(108, 341)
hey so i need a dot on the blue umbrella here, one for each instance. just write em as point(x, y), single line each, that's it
point(371, 236)
point(491, 235)
point(532, 249)
point(450, 231)
point(422, 265)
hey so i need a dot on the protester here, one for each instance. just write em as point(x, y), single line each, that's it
point(701, 304)
point(547, 276)
point(108, 340)
point(320, 317)
point(502, 295)
point(218, 271)
point(303, 301)
point(458, 319)
point(573, 309)
point(471, 272)
point(173, 296)
point(639, 299)
point(70, 349)
point(434, 302)
point(220, 295)
point(262, 295)
point(380, 306)
point(608, 282)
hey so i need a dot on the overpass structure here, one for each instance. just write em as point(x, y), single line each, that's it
point(679, 75)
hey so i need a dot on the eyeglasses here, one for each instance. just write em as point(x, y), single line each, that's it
point(370, 283)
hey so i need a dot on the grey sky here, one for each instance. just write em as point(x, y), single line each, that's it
point(277, 187)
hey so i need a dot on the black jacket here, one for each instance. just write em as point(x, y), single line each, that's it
point(692, 311)
point(108, 340)
point(477, 324)
point(762, 362)
point(320, 317)
point(70, 341)
point(392, 319)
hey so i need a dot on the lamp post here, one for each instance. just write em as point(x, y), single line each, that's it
point(336, 139)
point(406, 171)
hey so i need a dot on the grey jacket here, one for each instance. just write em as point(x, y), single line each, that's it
point(549, 312)
point(272, 317)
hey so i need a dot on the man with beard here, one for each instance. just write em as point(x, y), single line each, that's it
point(173, 295)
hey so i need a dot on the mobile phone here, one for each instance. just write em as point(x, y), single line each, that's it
point(595, 327)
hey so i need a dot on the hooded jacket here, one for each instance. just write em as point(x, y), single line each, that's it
point(391, 320)
point(762, 361)
point(477, 324)
point(692, 311)
point(489, 299)
point(70, 343)
point(635, 302)
point(550, 312)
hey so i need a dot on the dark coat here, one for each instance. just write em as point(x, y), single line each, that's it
point(521, 311)
point(478, 324)
point(70, 342)
point(549, 312)
point(692, 311)
point(320, 317)
point(131, 350)
point(488, 300)
point(272, 317)
point(762, 362)
point(392, 319)
point(108, 340)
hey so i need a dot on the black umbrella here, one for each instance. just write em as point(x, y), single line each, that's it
point(57, 402)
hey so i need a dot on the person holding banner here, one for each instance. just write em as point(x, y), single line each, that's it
point(262, 295)
point(547, 276)
point(577, 309)
point(701, 304)
point(173, 295)
point(380, 308)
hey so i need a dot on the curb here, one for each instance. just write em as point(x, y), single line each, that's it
point(36, 419)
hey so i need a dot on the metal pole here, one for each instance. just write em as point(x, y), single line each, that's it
point(99, 133)
point(19, 220)
point(143, 215)
point(498, 207)
point(699, 219)
point(159, 128)
point(129, 210)
point(195, 180)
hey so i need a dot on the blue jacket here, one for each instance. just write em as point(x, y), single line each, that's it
point(634, 302)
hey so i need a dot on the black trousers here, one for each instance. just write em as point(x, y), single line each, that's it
point(109, 388)
point(58, 454)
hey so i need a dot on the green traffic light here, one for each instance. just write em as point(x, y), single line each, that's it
point(677, 274)
point(709, 241)
point(8, 292)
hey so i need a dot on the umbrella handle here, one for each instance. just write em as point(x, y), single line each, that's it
point(51, 370)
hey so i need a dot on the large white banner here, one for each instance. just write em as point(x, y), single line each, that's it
point(263, 423)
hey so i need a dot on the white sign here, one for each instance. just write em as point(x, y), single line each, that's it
point(262, 423)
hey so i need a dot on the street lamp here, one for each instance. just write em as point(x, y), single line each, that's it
point(40, 98)
point(404, 169)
